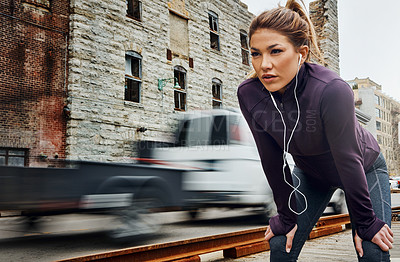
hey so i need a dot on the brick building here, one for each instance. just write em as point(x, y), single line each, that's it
point(32, 80)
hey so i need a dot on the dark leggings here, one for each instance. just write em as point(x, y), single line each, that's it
point(319, 197)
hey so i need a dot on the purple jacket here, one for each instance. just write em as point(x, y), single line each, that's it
point(329, 144)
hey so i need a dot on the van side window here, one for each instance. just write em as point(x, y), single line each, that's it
point(219, 131)
point(181, 139)
point(235, 136)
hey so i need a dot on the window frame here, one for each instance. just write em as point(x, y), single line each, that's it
point(245, 48)
point(378, 126)
point(7, 155)
point(216, 100)
point(132, 13)
point(378, 113)
point(377, 100)
point(180, 94)
point(213, 24)
point(137, 79)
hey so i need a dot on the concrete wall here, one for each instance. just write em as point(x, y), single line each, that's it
point(324, 15)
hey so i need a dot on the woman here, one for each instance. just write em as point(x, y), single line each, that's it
point(304, 109)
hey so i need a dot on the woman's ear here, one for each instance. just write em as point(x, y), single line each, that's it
point(303, 50)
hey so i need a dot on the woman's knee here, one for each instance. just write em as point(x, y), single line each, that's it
point(372, 252)
point(278, 243)
point(278, 252)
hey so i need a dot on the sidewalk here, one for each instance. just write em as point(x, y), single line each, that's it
point(337, 247)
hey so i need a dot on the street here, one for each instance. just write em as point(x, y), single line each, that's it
point(67, 236)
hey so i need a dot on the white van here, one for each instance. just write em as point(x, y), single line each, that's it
point(220, 142)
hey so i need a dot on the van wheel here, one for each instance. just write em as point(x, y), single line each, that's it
point(142, 217)
point(340, 206)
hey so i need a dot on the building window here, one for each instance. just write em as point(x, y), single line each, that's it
point(13, 157)
point(245, 48)
point(216, 93)
point(377, 100)
point(379, 139)
point(134, 9)
point(378, 112)
point(378, 126)
point(214, 30)
point(133, 76)
point(180, 93)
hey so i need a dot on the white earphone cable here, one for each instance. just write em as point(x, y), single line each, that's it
point(286, 146)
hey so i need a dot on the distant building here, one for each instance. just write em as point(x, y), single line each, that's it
point(384, 124)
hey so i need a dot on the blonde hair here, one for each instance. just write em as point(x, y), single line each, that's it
point(291, 21)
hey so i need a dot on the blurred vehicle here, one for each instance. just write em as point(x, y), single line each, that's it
point(129, 193)
point(337, 204)
point(394, 182)
point(221, 142)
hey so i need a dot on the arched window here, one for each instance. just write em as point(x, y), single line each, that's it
point(180, 93)
point(133, 76)
point(216, 93)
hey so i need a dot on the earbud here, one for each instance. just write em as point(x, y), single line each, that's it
point(300, 59)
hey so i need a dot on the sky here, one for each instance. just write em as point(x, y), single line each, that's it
point(369, 39)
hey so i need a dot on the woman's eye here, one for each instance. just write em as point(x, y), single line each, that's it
point(254, 54)
point(276, 51)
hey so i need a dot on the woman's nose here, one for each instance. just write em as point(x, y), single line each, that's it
point(266, 63)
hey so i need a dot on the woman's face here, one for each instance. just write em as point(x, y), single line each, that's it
point(274, 59)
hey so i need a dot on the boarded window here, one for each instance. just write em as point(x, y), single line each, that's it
point(216, 93)
point(179, 34)
point(244, 48)
point(133, 76)
point(13, 157)
point(134, 9)
point(180, 93)
point(214, 30)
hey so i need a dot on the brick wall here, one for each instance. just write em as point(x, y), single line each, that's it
point(32, 76)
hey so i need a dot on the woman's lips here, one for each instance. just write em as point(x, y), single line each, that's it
point(268, 78)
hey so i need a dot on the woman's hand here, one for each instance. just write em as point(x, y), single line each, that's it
point(289, 237)
point(384, 239)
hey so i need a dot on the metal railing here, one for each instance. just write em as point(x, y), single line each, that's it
point(234, 245)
